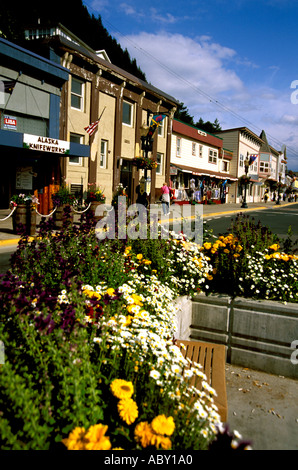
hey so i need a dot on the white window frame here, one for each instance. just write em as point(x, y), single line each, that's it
point(130, 124)
point(227, 164)
point(178, 146)
point(241, 160)
point(80, 96)
point(81, 141)
point(194, 149)
point(103, 155)
point(159, 168)
point(265, 167)
point(161, 128)
point(201, 151)
point(212, 158)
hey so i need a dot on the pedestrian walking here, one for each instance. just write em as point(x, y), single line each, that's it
point(266, 197)
point(165, 198)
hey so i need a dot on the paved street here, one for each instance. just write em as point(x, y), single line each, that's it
point(278, 219)
point(217, 217)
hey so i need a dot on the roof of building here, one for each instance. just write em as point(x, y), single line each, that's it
point(80, 49)
point(196, 134)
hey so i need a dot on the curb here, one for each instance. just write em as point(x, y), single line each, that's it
point(11, 242)
point(15, 241)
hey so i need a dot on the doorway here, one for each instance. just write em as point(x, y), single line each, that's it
point(126, 177)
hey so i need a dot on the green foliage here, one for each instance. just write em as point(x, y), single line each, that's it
point(14, 21)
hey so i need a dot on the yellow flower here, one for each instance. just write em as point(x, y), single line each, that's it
point(161, 442)
point(137, 299)
point(139, 256)
point(91, 294)
point(226, 250)
point(163, 425)
point(236, 255)
point(207, 246)
point(110, 291)
point(274, 247)
point(121, 388)
point(75, 440)
point(128, 410)
point(143, 434)
point(209, 277)
point(96, 439)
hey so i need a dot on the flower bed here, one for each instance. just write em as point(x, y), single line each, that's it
point(90, 356)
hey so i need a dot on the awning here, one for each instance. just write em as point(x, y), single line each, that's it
point(199, 172)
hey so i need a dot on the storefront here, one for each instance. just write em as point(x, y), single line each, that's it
point(191, 184)
point(33, 164)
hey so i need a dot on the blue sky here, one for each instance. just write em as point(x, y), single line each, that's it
point(231, 60)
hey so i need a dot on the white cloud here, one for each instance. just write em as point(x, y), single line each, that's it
point(201, 74)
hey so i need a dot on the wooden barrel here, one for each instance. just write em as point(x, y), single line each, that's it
point(94, 205)
point(24, 215)
point(60, 214)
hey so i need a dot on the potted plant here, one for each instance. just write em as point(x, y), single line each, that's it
point(25, 213)
point(63, 199)
point(95, 197)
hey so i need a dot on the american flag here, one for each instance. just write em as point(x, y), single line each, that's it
point(252, 158)
point(92, 127)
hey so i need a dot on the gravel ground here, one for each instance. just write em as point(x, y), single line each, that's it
point(263, 408)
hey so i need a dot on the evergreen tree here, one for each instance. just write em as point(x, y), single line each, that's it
point(74, 16)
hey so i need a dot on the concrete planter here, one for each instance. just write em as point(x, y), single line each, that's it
point(258, 334)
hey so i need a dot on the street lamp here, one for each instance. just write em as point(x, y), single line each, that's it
point(146, 146)
point(278, 190)
point(246, 164)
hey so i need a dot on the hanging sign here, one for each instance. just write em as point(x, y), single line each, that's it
point(45, 144)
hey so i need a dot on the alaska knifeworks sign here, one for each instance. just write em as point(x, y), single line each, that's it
point(45, 144)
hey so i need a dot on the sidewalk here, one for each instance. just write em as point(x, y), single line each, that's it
point(7, 237)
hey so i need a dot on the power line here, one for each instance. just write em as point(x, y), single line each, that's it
point(194, 87)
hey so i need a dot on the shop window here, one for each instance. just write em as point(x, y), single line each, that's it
point(159, 159)
point(103, 153)
point(127, 114)
point(212, 156)
point(178, 147)
point(264, 167)
point(161, 128)
point(194, 149)
point(225, 166)
point(77, 94)
point(77, 139)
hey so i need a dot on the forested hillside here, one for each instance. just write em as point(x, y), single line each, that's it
point(15, 18)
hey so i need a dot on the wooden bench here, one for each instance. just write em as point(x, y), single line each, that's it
point(212, 358)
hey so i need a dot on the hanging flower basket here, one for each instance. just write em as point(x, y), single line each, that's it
point(244, 180)
point(144, 163)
